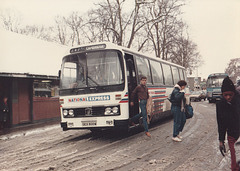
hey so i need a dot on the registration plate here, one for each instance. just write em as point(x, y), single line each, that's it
point(89, 123)
point(70, 124)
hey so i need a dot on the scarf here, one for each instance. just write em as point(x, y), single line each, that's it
point(182, 103)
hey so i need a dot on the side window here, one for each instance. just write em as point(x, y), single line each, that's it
point(181, 74)
point(175, 74)
point(143, 69)
point(157, 74)
point(184, 75)
point(167, 74)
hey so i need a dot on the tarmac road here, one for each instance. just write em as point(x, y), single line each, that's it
point(50, 148)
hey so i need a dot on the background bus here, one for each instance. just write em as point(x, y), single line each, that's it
point(214, 83)
point(96, 82)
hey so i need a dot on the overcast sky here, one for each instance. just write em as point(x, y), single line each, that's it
point(214, 25)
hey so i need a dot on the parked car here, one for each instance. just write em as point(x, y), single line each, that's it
point(204, 95)
point(198, 96)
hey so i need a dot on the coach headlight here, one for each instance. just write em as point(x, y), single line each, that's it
point(115, 110)
point(71, 112)
point(65, 112)
point(107, 111)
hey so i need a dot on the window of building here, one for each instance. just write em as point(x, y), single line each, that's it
point(45, 88)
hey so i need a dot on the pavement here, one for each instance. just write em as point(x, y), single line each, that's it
point(29, 126)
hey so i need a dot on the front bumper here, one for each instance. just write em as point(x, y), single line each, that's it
point(117, 124)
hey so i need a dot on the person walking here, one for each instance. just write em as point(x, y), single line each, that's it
point(228, 113)
point(142, 93)
point(178, 100)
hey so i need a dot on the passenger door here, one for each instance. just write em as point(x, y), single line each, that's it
point(132, 84)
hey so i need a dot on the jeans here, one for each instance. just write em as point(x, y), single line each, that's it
point(143, 114)
point(179, 120)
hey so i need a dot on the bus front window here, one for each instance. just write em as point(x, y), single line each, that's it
point(104, 69)
point(92, 69)
point(215, 81)
point(73, 73)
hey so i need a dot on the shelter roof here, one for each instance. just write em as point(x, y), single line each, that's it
point(25, 56)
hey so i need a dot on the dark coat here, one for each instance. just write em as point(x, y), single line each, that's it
point(4, 110)
point(176, 97)
point(228, 117)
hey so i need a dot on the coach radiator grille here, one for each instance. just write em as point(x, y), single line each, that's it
point(94, 111)
point(217, 94)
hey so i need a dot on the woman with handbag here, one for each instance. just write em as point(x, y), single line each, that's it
point(179, 119)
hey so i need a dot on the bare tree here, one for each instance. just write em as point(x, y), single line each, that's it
point(164, 26)
point(70, 29)
point(96, 29)
point(39, 32)
point(233, 69)
point(185, 53)
point(168, 34)
point(75, 23)
point(107, 18)
point(153, 25)
point(61, 28)
point(10, 20)
point(115, 24)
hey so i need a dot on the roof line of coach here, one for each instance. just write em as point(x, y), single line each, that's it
point(110, 45)
point(217, 74)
